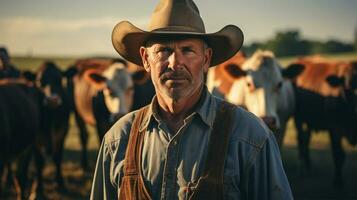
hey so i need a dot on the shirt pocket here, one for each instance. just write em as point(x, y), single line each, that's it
point(231, 190)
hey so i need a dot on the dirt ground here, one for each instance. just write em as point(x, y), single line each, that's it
point(315, 184)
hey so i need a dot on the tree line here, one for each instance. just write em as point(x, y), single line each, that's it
point(290, 43)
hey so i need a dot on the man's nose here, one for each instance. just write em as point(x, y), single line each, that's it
point(175, 61)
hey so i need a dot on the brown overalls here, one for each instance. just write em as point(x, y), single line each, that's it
point(210, 184)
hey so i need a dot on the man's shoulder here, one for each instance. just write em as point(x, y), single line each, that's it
point(248, 128)
point(121, 128)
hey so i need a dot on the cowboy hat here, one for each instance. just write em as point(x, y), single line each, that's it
point(171, 18)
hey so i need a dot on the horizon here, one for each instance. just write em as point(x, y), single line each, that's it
point(83, 27)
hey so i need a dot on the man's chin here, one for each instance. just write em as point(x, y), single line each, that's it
point(175, 94)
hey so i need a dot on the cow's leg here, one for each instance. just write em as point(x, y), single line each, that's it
point(102, 128)
point(338, 156)
point(57, 157)
point(83, 132)
point(101, 114)
point(21, 178)
point(59, 137)
point(280, 133)
point(2, 167)
point(40, 164)
point(303, 134)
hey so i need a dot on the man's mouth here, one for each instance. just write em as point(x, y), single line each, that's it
point(175, 78)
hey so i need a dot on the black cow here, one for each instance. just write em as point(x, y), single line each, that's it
point(55, 114)
point(19, 130)
point(326, 100)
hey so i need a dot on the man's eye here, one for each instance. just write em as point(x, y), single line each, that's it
point(164, 50)
point(188, 50)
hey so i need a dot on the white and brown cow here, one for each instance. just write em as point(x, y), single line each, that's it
point(101, 91)
point(221, 77)
point(257, 84)
point(102, 82)
point(326, 100)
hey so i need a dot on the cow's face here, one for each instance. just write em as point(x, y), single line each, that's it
point(346, 82)
point(49, 80)
point(117, 87)
point(259, 89)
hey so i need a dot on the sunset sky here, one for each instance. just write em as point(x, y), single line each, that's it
point(83, 27)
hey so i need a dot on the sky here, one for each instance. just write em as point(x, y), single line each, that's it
point(83, 27)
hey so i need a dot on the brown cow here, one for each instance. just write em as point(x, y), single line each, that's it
point(326, 100)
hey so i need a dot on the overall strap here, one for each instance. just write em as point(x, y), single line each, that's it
point(133, 151)
point(218, 142)
point(132, 185)
point(210, 184)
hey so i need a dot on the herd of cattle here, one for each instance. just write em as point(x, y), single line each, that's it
point(35, 108)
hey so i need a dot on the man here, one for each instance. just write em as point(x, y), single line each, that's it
point(186, 144)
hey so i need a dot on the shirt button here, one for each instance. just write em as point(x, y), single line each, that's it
point(174, 142)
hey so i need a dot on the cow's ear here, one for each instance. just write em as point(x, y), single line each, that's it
point(97, 78)
point(292, 71)
point(29, 76)
point(335, 81)
point(70, 72)
point(235, 71)
point(138, 75)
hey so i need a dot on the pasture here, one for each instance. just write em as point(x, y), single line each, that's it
point(315, 184)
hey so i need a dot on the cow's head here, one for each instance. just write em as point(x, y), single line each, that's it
point(49, 80)
point(346, 81)
point(117, 86)
point(258, 87)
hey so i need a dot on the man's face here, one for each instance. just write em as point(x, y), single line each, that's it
point(177, 67)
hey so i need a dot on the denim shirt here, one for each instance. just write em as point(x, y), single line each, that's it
point(171, 161)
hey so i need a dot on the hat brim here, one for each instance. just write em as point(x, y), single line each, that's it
point(127, 40)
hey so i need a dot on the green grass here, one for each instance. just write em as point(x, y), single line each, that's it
point(336, 57)
point(33, 63)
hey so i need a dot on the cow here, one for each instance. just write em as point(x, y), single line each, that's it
point(257, 83)
point(144, 89)
point(326, 100)
point(221, 77)
point(101, 91)
point(55, 110)
point(19, 131)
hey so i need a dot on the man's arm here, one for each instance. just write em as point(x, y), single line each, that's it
point(102, 188)
point(267, 178)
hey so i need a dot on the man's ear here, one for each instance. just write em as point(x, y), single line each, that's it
point(208, 57)
point(144, 58)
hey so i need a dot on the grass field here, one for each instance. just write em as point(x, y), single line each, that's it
point(33, 63)
point(315, 185)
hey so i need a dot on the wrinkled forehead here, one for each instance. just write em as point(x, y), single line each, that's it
point(172, 39)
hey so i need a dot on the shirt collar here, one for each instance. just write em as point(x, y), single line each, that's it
point(205, 109)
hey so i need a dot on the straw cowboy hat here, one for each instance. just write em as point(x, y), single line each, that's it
point(176, 17)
